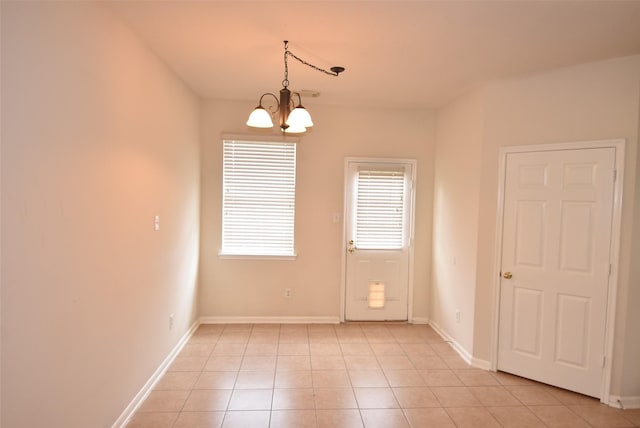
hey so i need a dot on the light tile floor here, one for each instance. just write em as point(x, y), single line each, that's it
point(351, 375)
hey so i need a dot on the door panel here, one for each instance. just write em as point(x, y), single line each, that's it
point(376, 268)
point(530, 233)
point(572, 330)
point(555, 249)
point(527, 321)
point(378, 230)
point(576, 254)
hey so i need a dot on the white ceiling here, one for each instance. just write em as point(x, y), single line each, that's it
point(401, 54)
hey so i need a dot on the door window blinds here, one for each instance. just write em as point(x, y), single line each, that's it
point(379, 217)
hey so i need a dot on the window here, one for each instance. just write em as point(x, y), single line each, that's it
point(258, 202)
point(380, 208)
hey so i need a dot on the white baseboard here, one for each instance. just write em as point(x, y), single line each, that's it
point(269, 320)
point(464, 354)
point(155, 377)
point(419, 320)
point(481, 364)
point(628, 402)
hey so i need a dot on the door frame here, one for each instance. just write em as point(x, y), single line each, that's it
point(614, 248)
point(411, 225)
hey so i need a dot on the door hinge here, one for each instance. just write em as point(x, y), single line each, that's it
point(615, 175)
point(604, 360)
point(610, 268)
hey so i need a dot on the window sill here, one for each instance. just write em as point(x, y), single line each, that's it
point(254, 257)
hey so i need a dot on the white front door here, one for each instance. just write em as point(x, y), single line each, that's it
point(555, 266)
point(378, 232)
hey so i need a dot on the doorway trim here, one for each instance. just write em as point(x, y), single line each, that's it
point(343, 270)
point(614, 254)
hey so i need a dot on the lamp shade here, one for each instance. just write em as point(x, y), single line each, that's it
point(260, 118)
point(294, 129)
point(300, 117)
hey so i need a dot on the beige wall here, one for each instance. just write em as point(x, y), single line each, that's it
point(459, 137)
point(586, 102)
point(97, 138)
point(256, 287)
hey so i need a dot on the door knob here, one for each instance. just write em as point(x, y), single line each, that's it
point(507, 275)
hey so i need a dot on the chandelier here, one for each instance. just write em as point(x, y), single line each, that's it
point(293, 119)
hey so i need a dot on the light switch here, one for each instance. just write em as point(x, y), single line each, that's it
point(156, 223)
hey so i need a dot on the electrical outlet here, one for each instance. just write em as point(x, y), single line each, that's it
point(156, 223)
point(170, 321)
point(457, 315)
point(287, 292)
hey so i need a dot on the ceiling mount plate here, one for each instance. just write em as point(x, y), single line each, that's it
point(309, 93)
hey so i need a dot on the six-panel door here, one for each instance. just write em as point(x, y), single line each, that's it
point(555, 266)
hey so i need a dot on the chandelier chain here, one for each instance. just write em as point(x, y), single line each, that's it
point(285, 82)
point(331, 73)
point(287, 52)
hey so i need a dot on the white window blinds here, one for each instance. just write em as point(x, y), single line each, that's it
point(380, 209)
point(258, 202)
